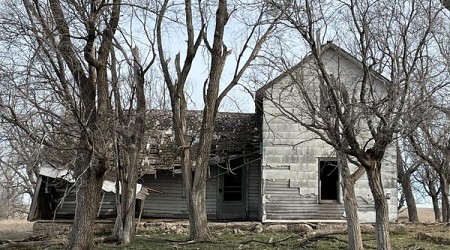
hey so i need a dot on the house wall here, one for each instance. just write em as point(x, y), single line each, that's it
point(172, 204)
point(290, 157)
point(254, 189)
point(61, 197)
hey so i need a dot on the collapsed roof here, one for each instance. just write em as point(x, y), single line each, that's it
point(235, 134)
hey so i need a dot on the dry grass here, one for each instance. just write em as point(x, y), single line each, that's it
point(404, 236)
point(15, 229)
point(426, 215)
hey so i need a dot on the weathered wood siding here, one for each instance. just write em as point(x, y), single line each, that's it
point(65, 203)
point(173, 203)
point(254, 189)
point(284, 202)
point(291, 154)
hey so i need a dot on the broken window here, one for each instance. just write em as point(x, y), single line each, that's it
point(329, 180)
point(232, 186)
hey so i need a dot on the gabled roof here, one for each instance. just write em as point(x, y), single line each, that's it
point(328, 46)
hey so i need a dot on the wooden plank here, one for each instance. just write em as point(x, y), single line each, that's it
point(35, 200)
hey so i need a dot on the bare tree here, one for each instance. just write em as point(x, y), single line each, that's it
point(71, 42)
point(427, 178)
point(405, 169)
point(197, 18)
point(390, 37)
point(128, 137)
point(430, 143)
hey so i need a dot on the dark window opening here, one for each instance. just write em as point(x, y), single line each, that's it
point(232, 186)
point(329, 180)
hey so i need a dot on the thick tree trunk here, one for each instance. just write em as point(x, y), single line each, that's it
point(198, 218)
point(129, 196)
point(381, 207)
point(351, 206)
point(89, 187)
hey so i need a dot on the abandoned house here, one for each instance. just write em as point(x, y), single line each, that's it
point(262, 167)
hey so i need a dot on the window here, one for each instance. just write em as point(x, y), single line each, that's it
point(328, 180)
point(232, 186)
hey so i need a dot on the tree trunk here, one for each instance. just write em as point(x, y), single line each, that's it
point(351, 206)
point(89, 187)
point(435, 200)
point(445, 198)
point(405, 182)
point(129, 196)
point(381, 206)
point(197, 209)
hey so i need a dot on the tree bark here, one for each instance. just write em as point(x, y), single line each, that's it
point(128, 196)
point(350, 204)
point(445, 199)
point(435, 200)
point(381, 206)
point(199, 230)
point(133, 143)
point(89, 186)
point(405, 181)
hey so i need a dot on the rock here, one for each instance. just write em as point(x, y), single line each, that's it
point(276, 228)
point(258, 228)
point(367, 228)
point(300, 228)
point(237, 231)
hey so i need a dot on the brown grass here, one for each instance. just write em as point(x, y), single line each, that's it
point(426, 215)
point(15, 229)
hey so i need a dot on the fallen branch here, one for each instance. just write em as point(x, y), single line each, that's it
point(106, 239)
point(26, 244)
point(435, 239)
point(187, 242)
point(325, 236)
point(270, 242)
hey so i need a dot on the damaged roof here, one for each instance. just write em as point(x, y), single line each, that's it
point(235, 134)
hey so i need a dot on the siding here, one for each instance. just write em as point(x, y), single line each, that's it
point(65, 205)
point(254, 190)
point(173, 203)
point(286, 203)
point(291, 153)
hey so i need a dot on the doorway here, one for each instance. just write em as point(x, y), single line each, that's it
point(231, 203)
point(328, 181)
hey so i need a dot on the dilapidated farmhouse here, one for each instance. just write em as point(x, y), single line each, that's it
point(263, 167)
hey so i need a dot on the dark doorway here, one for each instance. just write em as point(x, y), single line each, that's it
point(329, 180)
point(232, 186)
point(231, 203)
